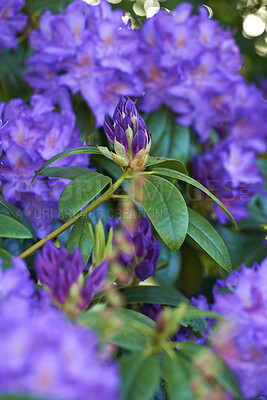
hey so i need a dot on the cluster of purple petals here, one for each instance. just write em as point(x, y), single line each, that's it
point(184, 61)
point(35, 133)
point(241, 339)
point(59, 270)
point(12, 21)
point(230, 171)
point(145, 249)
point(88, 50)
point(41, 353)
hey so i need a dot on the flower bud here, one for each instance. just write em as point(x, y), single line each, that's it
point(128, 134)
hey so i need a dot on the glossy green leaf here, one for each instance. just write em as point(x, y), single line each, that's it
point(178, 175)
point(153, 294)
point(17, 214)
point(168, 138)
point(140, 376)
point(80, 192)
point(162, 162)
point(177, 381)
point(80, 237)
point(166, 209)
point(208, 238)
point(65, 172)
point(6, 259)
point(71, 152)
point(11, 228)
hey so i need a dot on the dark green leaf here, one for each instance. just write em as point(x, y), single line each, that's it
point(11, 228)
point(162, 162)
point(17, 214)
point(153, 294)
point(166, 209)
point(65, 172)
point(168, 271)
point(6, 259)
point(80, 192)
point(80, 237)
point(71, 152)
point(208, 238)
point(177, 381)
point(140, 376)
point(178, 175)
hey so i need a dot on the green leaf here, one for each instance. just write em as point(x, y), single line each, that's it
point(208, 238)
point(6, 259)
point(20, 397)
point(178, 175)
point(80, 192)
point(65, 172)
point(168, 267)
point(140, 376)
point(80, 237)
point(10, 228)
point(177, 382)
point(17, 214)
point(71, 152)
point(163, 162)
point(169, 138)
point(127, 329)
point(153, 294)
point(166, 209)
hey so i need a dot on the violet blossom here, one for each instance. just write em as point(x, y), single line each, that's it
point(12, 21)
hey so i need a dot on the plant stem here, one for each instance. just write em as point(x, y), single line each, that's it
point(105, 196)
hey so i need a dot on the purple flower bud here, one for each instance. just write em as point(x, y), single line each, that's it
point(144, 227)
point(140, 244)
point(113, 223)
point(99, 275)
point(144, 270)
point(58, 270)
point(130, 131)
point(109, 129)
point(120, 136)
point(139, 141)
point(153, 253)
point(126, 259)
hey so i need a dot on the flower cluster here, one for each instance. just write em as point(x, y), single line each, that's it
point(33, 135)
point(184, 61)
point(12, 21)
point(241, 339)
point(128, 134)
point(41, 353)
point(89, 50)
point(62, 274)
point(138, 249)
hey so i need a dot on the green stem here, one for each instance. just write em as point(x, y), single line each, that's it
point(105, 196)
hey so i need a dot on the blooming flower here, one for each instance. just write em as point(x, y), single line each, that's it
point(11, 22)
point(44, 355)
point(32, 136)
point(62, 274)
point(89, 50)
point(241, 338)
point(128, 133)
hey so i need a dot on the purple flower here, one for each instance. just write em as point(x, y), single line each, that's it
point(62, 274)
point(11, 22)
point(139, 251)
point(41, 353)
point(128, 133)
point(88, 50)
point(34, 134)
point(241, 339)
